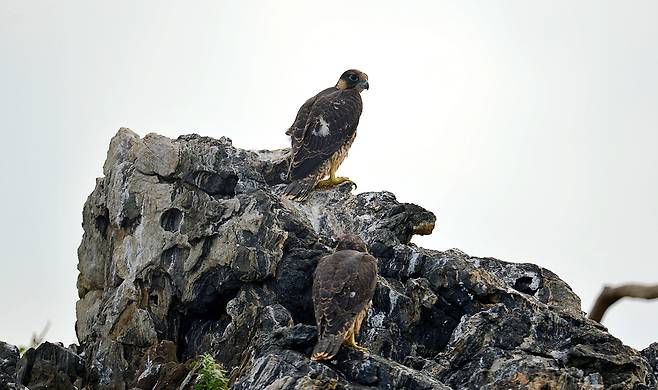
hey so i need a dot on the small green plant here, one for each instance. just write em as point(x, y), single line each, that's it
point(210, 375)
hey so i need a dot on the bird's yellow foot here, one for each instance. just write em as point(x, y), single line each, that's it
point(333, 181)
point(341, 180)
point(352, 343)
point(359, 348)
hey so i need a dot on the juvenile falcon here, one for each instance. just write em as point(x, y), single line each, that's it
point(323, 131)
point(343, 286)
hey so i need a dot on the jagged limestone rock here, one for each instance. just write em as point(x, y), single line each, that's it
point(188, 248)
point(50, 366)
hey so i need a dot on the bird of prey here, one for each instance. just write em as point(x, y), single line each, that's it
point(323, 131)
point(343, 286)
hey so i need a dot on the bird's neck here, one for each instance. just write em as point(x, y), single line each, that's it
point(341, 84)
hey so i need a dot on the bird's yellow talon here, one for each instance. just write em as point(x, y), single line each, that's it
point(341, 180)
point(351, 342)
point(360, 348)
point(324, 184)
point(334, 181)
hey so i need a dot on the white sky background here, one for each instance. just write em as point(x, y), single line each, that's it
point(530, 128)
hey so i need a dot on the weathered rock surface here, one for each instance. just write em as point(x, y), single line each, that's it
point(50, 366)
point(9, 356)
point(188, 248)
point(651, 355)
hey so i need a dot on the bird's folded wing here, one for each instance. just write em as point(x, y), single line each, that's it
point(340, 295)
point(331, 122)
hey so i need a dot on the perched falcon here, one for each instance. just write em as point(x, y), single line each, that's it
point(343, 286)
point(322, 134)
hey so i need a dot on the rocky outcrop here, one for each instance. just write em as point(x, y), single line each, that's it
point(50, 366)
point(9, 356)
point(188, 248)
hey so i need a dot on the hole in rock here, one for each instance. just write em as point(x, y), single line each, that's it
point(525, 285)
point(171, 220)
point(102, 222)
point(216, 306)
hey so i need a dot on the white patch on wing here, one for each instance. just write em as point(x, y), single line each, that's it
point(337, 104)
point(323, 131)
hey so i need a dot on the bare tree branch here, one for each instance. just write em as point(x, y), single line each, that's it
point(610, 295)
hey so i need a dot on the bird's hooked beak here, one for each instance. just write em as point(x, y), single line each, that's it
point(364, 84)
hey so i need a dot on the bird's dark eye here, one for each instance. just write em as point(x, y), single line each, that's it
point(353, 77)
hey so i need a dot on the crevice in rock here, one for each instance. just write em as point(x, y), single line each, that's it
point(164, 179)
point(205, 250)
point(433, 331)
point(213, 183)
point(293, 283)
point(131, 223)
point(176, 255)
point(194, 325)
point(381, 250)
point(216, 307)
point(487, 299)
point(524, 284)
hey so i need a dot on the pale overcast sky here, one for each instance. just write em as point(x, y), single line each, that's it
point(530, 128)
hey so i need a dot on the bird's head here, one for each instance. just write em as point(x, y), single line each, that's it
point(353, 79)
point(351, 241)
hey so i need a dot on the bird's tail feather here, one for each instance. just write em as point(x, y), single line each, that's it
point(327, 347)
point(300, 189)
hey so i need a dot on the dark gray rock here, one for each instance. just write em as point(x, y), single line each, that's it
point(188, 248)
point(9, 356)
point(50, 366)
point(651, 355)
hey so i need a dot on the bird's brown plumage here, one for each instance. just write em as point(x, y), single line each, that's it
point(323, 131)
point(343, 287)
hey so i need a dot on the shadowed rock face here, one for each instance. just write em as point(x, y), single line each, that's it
point(651, 354)
point(188, 248)
point(8, 359)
